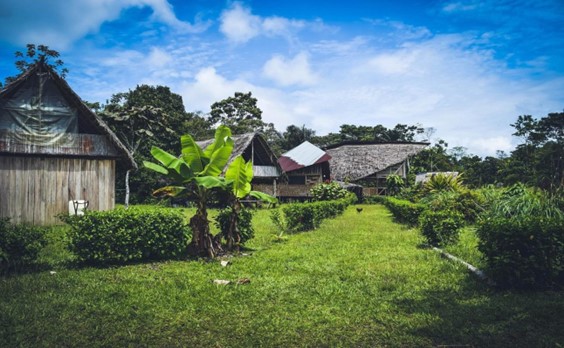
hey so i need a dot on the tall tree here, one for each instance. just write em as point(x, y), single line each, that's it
point(137, 128)
point(294, 136)
point(240, 113)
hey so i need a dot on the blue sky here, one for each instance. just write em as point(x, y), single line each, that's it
point(466, 68)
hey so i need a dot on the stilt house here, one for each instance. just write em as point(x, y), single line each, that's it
point(53, 149)
point(304, 166)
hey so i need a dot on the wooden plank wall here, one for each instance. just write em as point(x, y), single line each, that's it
point(35, 189)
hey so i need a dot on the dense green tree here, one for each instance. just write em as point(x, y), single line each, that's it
point(240, 113)
point(144, 117)
point(295, 135)
point(540, 160)
point(378, 133)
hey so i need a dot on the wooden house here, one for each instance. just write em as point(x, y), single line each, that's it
point(252, 146)
point(303, 167)
point(53, 149)
point(368, 164)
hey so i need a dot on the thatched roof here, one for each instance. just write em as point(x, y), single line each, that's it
point(355, 161)
point(249, 145)
point(304, 155)
point(89, 126)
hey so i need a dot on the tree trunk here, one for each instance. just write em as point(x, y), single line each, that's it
point(127, 189)
point(202, 243)
point(233, 237)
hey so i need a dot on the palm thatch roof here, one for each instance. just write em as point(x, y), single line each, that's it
point(252, 146)
point(91, 131)
point(355, 161)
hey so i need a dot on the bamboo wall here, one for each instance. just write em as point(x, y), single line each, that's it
point(35, 189)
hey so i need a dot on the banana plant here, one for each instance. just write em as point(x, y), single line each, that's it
point(194, 174)
point(239, 175)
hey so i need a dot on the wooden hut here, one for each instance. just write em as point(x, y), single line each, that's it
point(368, 164)
point(252, 146)
point(304, 166)
point(53, 149)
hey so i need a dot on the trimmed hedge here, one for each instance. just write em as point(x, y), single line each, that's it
point(404, 211)
point(308, 216)
point(125, 235)
point(441, 227)
point(20, 244)
point(525, 252)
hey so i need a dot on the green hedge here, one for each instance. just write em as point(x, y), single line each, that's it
point(20, 244)
point(404, 211)
point(524, 253)
point(522, 238)
point(308, 216)
point(441, 227)
point(125, 235)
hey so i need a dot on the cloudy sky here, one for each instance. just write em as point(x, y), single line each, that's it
point(467, 68)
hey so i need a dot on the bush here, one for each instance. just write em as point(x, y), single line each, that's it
point(522, 239)
point(443, 182)
point(308, 216)
point(328, 192)
point(466, 202)
point(394, 184)
point(441, 227)
point(20, 244)
point(125, 235)
point(404, 212)
point(244, 223)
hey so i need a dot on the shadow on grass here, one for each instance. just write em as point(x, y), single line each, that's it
point(470, 314)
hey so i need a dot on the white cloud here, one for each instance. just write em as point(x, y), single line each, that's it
point(239, 25)
point(59, 23)
point(287, 72)
point(460, 6)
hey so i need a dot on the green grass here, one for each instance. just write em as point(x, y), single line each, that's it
point(358, 280)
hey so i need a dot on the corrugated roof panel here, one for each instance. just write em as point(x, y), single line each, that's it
point(266, 172)
point(303, 155)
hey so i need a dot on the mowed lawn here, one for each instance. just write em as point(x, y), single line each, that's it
point(360, 280)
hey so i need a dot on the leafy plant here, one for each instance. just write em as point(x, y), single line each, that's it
point(328, 191)
point(394, 184)
point(20, 244)
point(443, 182)
point(244, 226)
point(194, 175)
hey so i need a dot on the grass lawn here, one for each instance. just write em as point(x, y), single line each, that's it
point(359, 280)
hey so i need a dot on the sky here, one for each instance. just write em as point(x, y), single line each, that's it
point(465, 68)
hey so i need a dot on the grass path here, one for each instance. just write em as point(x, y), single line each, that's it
point(358, 280)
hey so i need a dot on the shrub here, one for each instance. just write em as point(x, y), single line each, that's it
point(466, 202)
point(328, 192)
point(443, 182)
point(522, 239)
point(244, 223)
point(124, 235)
point(20, 244)
point(441, 227)
point(308, 216)
point(394, 183)
point(404, 211)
